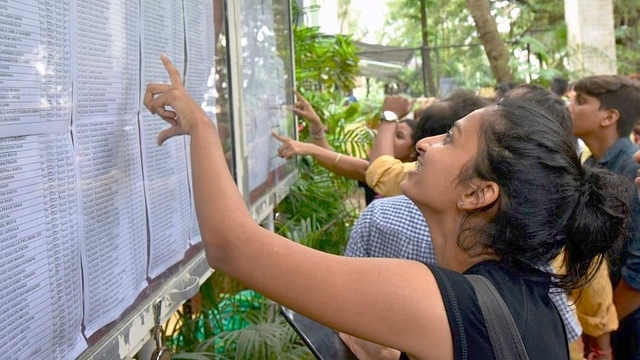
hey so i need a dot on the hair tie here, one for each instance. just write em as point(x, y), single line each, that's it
point(585, 185)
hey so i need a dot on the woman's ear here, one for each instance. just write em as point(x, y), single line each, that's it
point(481, 194)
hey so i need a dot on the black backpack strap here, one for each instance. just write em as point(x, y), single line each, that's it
point(503, 333)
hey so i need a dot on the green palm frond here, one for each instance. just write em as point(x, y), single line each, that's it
point(245, 325)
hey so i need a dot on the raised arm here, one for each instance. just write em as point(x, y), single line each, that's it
point(341, 164)
point(317, 129)
point(393, 302)
point(383, 143)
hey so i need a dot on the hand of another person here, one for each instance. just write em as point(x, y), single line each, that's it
point(365, 350)
point(304, 109)
point(290, 147)
point(600, 356)
point(400, 105)
point(185, 113)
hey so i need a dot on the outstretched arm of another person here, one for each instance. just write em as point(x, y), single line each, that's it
point(303, 108)
point(361, 297)
point(341, 164)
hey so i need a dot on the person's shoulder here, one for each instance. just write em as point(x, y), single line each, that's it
point(627, 165)
point(628, 147)
point(395, 204)
point(396, 213)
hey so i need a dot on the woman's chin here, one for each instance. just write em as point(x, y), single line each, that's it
point(406, 185)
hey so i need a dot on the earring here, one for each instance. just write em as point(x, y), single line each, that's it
point(461, 203)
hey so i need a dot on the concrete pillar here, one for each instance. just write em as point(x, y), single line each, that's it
point(591, 39)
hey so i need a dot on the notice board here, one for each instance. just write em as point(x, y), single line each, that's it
point(266, 83)
point(94, 216)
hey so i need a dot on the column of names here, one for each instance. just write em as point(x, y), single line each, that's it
point(165, 167)
point(105, 132)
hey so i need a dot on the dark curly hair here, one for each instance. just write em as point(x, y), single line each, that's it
point(548, 201)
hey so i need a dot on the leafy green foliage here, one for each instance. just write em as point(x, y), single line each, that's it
point(534, 30)
point(324, 63)
point(241, 326)
point(627, 22)
point(320, 208)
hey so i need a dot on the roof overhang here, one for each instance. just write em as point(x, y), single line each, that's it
point(383, 61)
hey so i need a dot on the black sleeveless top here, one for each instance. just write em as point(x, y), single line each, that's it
point(526, 297)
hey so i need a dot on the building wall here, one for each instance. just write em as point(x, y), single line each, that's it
point(324, 14)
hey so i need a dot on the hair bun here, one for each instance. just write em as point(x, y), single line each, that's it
point(602, 208)
point(589, 184)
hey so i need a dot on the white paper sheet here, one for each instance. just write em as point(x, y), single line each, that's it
point(164, 167)
point(35, 78)
point(106, 138)
point(199, 78)
point(264, 90)
point(40, 277)
point(40, 282)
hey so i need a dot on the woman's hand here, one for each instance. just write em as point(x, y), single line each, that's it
point(303, 108)
point(400, 105)
point(184, 114)
point(290, 147)
point(365, 350)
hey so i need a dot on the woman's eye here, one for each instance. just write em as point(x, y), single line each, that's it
point(447, 138)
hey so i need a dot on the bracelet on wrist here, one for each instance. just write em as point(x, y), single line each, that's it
point(595, 352)
point(337, 159)
point(322, 129)
point(318, 134)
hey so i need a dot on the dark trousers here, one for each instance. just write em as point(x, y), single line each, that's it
point(626, 340)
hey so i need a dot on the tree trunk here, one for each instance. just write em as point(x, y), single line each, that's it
point(494, 46)
point(427, 72)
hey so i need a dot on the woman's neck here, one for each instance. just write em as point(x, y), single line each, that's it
point(444, 236)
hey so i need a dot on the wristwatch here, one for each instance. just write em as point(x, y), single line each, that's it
point(389, 116)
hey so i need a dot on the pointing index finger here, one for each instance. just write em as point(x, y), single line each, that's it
point(279, 137)
point(298, 95)
point(174, 75)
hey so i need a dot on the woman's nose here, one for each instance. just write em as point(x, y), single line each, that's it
point(426, 143)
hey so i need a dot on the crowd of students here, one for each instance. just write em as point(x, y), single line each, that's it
point(505, 196)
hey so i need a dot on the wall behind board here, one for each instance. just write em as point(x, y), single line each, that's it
point(93, 214)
